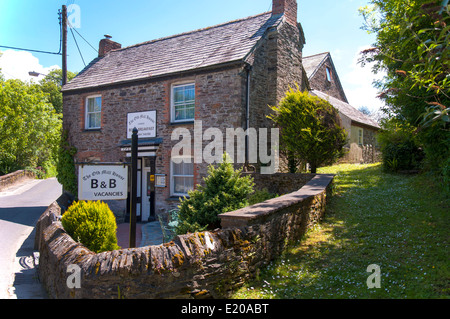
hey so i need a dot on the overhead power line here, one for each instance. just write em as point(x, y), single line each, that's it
point(30, 50)
point(79, 51)
point(72, 28)
point(40, 51)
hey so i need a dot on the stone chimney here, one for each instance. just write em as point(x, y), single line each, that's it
point(106, 45)
point(286, 7)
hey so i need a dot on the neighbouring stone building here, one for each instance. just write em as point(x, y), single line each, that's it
point(223, 77)
point(324, 82)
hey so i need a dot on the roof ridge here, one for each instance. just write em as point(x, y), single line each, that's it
point(311, 56)
point(369, 121)
point(190, 32)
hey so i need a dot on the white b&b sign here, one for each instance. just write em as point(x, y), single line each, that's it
point(102, 182)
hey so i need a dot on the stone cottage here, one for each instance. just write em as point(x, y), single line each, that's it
point(223, 76)
point(324, 82)
point(192, 84)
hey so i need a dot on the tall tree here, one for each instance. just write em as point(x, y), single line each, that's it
point(411, 45)
point(310, 129)
point(29, 127)
point(51, 85)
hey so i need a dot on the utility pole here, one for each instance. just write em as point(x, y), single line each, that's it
point(64, 45)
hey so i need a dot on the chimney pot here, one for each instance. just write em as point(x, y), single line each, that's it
point(106, 45)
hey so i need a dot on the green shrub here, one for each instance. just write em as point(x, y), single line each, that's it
point(399, 146)
point(260, 196)
point(65, 166)
point(225, 190)
point(92, 224)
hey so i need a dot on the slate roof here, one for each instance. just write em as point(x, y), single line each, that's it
point(347, 110)
point(216, 45)
point(312, 63)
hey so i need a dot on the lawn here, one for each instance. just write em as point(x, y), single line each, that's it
point(397, 222)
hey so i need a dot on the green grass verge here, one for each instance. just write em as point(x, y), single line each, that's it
point(398, 222)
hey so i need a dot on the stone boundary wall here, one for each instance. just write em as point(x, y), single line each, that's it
point(366, 154)
point(201, 265)
point(12, 178)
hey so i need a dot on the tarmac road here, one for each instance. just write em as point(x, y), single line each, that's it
point(20, 208)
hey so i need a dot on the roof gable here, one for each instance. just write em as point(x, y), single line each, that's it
point(312, 63)
point(224, 43)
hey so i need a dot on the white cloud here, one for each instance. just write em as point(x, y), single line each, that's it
point(17, 64)
point(358, 84)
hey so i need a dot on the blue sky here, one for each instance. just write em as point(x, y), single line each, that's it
point(329, 26)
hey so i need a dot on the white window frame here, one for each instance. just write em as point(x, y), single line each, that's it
point(172, 176)
point(360, 136)
point(86, 118)
point(172, 101)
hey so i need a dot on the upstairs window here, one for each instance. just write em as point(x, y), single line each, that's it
point(328, 74)
point(93, 112)
point(183, 102)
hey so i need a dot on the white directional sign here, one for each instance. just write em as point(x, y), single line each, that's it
point(102, 182)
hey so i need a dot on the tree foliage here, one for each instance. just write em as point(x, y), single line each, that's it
point(310, 129)
point(51, 85)
point(29, 127)
point(399, 146)
point(411, 46)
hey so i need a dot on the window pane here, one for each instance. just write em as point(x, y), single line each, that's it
point(178, 185)
point(189, 183)
point(188, 169)
point(177, 169)
point(97, 120)
point(178, 95)
point(190, 93)
point(190, 113)
point(95, 104)
point(94, 120)
point(98, 104)
point(180, 114)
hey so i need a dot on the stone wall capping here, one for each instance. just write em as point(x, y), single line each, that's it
point(11, 179)
point(247, 216)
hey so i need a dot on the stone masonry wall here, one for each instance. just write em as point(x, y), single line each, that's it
point(200, 265)
point(12, 178)
point(219, 104)
point(280, 183)
point(320, 82)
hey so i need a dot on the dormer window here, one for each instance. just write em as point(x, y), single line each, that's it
point(328, 74)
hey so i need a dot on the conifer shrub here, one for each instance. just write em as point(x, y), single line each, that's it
point(92, 224)
point(225, 190)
